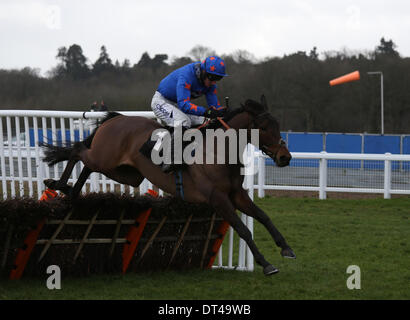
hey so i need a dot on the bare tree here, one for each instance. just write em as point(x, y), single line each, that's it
point(199, 52)
point(243, 56)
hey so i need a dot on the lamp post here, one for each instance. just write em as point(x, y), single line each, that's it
point(381, 98)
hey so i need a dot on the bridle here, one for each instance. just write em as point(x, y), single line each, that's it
point(264, 148)
point(273, 153)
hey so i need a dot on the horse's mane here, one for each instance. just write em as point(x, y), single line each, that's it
point(108, 115)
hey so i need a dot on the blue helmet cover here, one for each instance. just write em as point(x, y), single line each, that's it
point(214, 65)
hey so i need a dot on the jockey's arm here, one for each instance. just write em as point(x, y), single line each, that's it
point(212, 99)
point(184, 98)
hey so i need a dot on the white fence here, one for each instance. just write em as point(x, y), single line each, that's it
point(323, 172)
point(23, 172)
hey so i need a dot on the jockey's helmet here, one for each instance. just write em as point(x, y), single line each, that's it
point(214, 65)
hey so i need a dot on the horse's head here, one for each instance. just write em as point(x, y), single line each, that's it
point(270, 140)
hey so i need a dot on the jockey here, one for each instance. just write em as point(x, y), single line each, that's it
point(172, 102)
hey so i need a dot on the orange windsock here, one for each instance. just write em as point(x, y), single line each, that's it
point(346, 78)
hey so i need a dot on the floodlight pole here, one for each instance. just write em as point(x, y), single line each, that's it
point(381, 97)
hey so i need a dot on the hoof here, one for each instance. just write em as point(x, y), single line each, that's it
point(269, 270)
point(50, 183)
point(67, 190)
point(288, 253)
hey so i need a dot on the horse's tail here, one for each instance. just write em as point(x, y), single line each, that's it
point(55, 154)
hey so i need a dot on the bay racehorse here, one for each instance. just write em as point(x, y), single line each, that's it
point(113, 149)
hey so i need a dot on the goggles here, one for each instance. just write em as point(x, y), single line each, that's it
point(213, 77)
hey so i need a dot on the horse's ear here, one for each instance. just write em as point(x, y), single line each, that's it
point(263, 102)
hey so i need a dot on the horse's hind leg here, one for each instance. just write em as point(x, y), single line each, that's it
point(243, 203)
point(61, 184)
point(126, 174)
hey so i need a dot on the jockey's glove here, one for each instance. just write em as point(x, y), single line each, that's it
point(212, 113)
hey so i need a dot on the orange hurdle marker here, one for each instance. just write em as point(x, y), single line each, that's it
point(134, 235)
point(222, 229)
point(354, 76)
point(24, 253)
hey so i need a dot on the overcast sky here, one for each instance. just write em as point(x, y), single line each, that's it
point(31, 31)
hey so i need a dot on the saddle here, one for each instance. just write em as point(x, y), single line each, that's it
point(177, 169)
point(147, 147)
point(146, 150)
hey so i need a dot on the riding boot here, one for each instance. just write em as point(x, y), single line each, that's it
point(169, 167)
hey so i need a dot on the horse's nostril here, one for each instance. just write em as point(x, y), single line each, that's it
point(284, 159)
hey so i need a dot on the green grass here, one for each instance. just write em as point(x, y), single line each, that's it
point(327, 236)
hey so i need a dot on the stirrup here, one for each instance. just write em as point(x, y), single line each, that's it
point(167, 168)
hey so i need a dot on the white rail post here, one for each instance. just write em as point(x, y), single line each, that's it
point(248, 185)
point(387, 177)
point(144, 187)
point(11, 160)
point(261, 175)
point(54, 141)
point(249, 220)
point(40, 171)
point(322, 176)
point(81, 129)
point(28, 157)
point(19, 157)
point(95, 176)
point(3, 162)
point(230, 248)
point(249, 224)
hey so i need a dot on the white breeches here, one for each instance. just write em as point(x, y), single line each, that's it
point(170, 115)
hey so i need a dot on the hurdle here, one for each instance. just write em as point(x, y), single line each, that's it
point(108, 233)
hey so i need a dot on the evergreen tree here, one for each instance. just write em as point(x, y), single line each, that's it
point(387, 48)
point(179, 62)
point(103, 63)
point(73, 63)
point(145, 61)
point(126, 64)
point(159, 61)
point(155, 63)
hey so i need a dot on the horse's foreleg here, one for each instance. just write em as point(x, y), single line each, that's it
point(224, 207)
point(244, 203)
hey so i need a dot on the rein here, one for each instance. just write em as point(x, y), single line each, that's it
point(219, 119)
point(263, 148)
